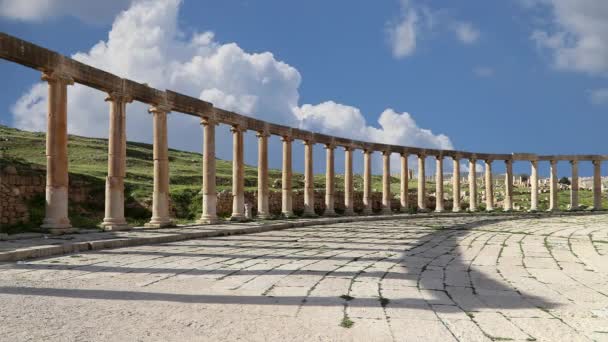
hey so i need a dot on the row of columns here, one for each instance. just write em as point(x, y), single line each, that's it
point(56, 217)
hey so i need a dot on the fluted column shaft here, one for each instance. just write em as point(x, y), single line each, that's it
point(263, 211)
point(309, 182)
point(421, 182)
point(456, 185)
point(367, 182)
point(287, 193)
point(597, 185)
point(508, 202)
point(114, 218)
point(439, 185)
point(472, 185)
point(160, 196)
point(534, 186)
point(329, 181)
point(56, 209)
point(553, 186)
point(489, 186)
point(348, 182)
point(404, 182)
point(209, 214)
point(238, 175)
point(386, 182)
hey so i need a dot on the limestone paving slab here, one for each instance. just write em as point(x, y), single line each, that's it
point(424, 278)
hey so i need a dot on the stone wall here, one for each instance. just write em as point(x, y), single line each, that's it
point(17, 188)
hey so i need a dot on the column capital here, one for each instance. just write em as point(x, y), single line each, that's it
point(473, 160)
point(159, 108)
point(308, 142)
point(488, 161)
point(116, 96)
point(574, 161)
point(205, 121)
point(330, 146)
point(456, 156)
point(421, 154)
point(386, 153)
point(553, 162)
point(262, 134)
point(57, 76)
point(349, 148)
point(367, 151)
point(286, 138)
point(508, 161)
point(404, 154)
point(596, 162)
point(438, 157)
point(237, 128)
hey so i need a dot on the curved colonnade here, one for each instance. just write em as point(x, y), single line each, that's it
point(60, 72)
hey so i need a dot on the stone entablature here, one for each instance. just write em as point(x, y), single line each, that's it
point(60, 72)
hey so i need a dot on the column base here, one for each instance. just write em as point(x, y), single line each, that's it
point(456, 210)
point(329, 213)
point(114, 224)
point(263, 216)
point(386, 211)
point(237, 217)
point(349, 212)
point(439, 210)
point(159, 223)
point(208, 220)
point(58, 229)
point(310, 215)
point(367, 211)
point(288, 215)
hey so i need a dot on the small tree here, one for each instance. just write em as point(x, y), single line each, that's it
point(564, 180)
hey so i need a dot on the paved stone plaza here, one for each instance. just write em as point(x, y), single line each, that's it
point(472, 278)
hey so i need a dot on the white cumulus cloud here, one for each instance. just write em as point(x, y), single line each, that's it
point(402, 33)
point(577, 36)
point(39, 10)
point(145, 45)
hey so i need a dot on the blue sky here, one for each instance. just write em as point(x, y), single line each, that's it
point(490, 76)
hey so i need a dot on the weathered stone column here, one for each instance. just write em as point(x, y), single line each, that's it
point(534, 186)
point(287, 192)
point(348, 182)
point(114, 218)
point(329, 181)
point(309, 180)
point(238, 175)
point(421, 182)
point(404, 182)
point(472, 184)
point(553, 205)
point(597, 185)
point(56, 209)
point(439, 184)
point(367, 182)
point(508, 201)
point(263, 212)
point(386, 182)
point(160, 196)
point(456, 184)
point(489, 186)
point(209, 214)
point(574, 186)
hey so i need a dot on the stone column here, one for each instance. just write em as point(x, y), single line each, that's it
point(117, 153)
point(404, 182)
point(386, 182)
point(209, 215)
point(597, 185)
point(56, 210)
point(574, 186)
point(456, 184)
point(472, 184)
point(329, 181)
point(160, 196)
point(348, 182)
point(553, 205)
point(421, 183)
point(439, 184)
point(489, 186)
point(367, 182)
point(238, 175)
point(309, 180)
point(263, 212)
point(534, 186)
point(287, 192)
point(508, 202)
